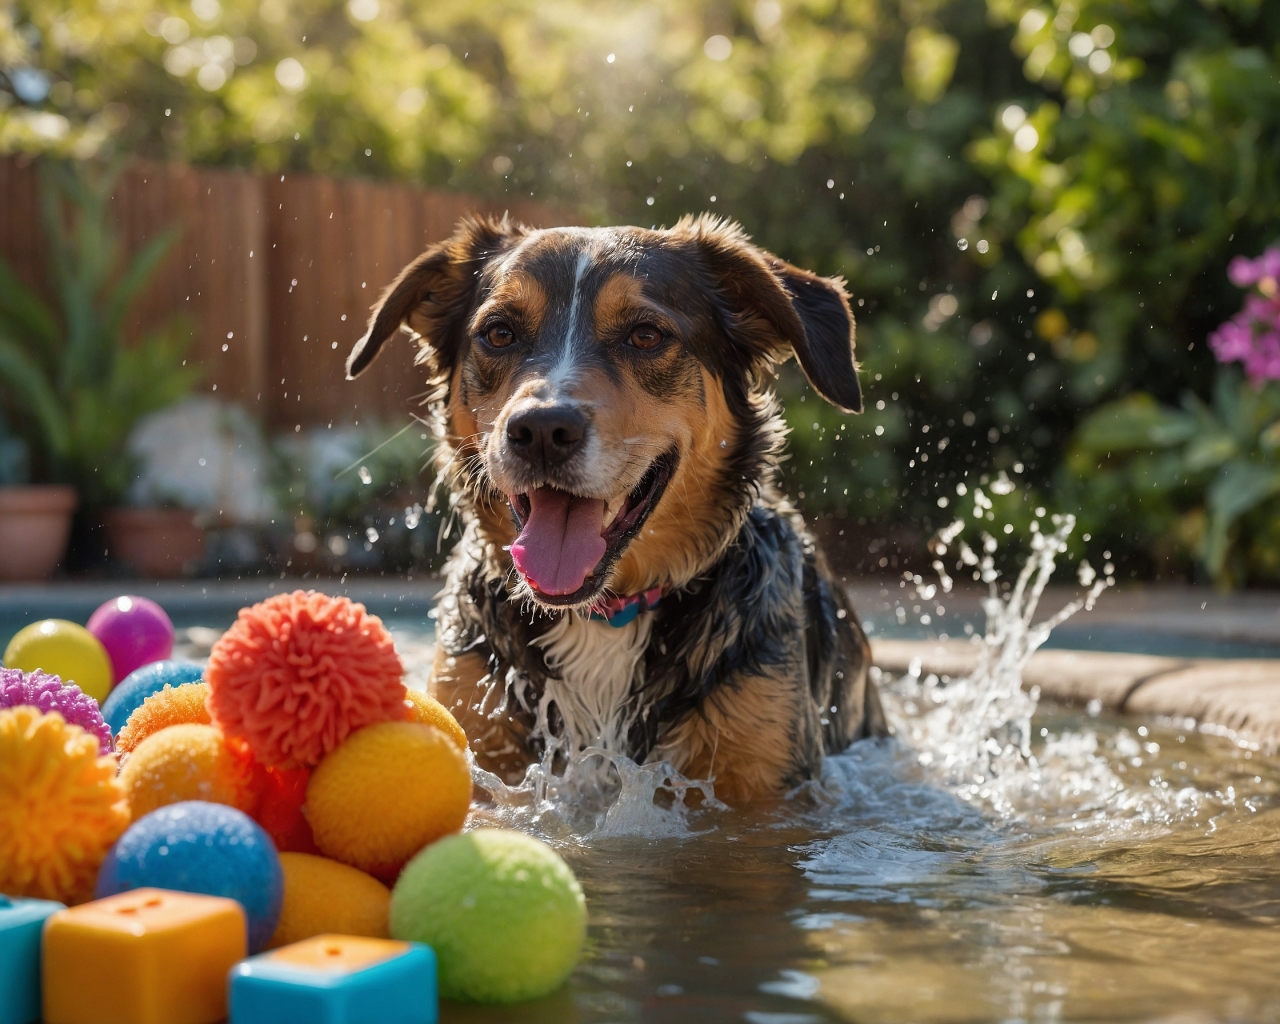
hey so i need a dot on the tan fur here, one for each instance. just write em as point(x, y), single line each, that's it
point(687, 529)
point(745, 738)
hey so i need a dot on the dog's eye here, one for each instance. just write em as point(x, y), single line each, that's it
point(645, 337)
point(500, 336)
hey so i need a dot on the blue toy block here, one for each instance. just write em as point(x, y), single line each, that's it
point(337, 979)
point(21, 924)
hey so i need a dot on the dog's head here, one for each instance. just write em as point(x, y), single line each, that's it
point(604, 392)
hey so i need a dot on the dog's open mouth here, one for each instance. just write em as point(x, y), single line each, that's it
point(565, 548)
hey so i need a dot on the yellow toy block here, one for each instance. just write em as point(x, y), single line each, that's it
point(149, 956)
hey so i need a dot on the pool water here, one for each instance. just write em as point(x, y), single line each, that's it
point(883, 895)
point(998, 859)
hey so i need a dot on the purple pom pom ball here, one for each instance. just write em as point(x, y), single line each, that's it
point(49, 693)
point(134, 630)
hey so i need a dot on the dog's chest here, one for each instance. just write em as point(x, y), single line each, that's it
point(599, 670)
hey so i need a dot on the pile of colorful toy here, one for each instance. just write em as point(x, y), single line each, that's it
point(291, 800)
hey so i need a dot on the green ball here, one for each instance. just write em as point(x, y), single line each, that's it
point(502, 911)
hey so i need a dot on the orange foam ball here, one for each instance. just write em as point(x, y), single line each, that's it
point(188, 762)
point(322, 896)
point(174, 705)
point(386, 793)
point(300, 672)
point(61, 806)
point(427, 710)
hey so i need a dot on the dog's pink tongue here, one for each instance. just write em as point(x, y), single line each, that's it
point(560, 543)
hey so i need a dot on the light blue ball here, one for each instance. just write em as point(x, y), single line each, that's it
point(201, 847)
point(140, 684)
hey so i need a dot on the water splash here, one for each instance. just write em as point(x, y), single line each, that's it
point(974, 734)
point(597, 795)
point(980, 726)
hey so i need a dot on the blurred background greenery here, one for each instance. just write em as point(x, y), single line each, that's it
point(1034, 204)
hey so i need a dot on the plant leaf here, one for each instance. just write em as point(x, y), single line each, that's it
point(29, 387)
point(144, 264)
point(1135, 423)
point(26, 314)
point(1241, 486)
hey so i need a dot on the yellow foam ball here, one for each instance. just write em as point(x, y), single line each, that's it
point(429, 711)
point(322, 896)
point(61, 806)
point(65, 650)
point(385, 793)
point(187, 762)
point(174, 705)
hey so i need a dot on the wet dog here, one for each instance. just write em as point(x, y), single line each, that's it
point(629, 576)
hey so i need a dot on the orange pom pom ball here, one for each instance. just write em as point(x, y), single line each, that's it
point(386, 793)
point(188, 762)
point(61, 806)
point(299, 673)
point(323, 897)
point(427, 710)
point(174, 705)
point(282, 795)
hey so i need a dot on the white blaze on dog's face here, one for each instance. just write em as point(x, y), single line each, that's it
point(603, 389)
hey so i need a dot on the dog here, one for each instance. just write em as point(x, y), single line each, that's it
point(629, 576)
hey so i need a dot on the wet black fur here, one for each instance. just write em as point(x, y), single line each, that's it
point(768, 606)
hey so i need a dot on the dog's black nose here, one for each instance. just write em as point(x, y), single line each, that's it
point(547, 435)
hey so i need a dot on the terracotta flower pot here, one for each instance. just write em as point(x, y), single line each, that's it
point(35, 523)
point(160, 542)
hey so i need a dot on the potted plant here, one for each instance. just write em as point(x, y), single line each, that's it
point(72, 385)
point(34, 520)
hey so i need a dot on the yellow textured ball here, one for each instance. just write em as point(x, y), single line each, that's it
point(61, 806)
point(174, 705)
point(323, 897)
point(187, 762)
point(387, 792)
point(427, 710)
point(65, 650)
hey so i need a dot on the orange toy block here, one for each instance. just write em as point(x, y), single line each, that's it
point(148, 956)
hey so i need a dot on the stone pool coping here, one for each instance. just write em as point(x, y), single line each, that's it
point(1240, 695)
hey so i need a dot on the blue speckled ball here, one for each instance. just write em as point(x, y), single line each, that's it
point(140, 684)
point(201, 847)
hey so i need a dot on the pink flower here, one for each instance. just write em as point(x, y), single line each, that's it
point(1245, 272)
point(1252, 336)
point(1231, 342)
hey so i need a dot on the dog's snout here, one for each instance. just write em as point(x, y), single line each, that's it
point(547, 435)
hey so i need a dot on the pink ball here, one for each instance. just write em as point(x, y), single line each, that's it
point(134, 630)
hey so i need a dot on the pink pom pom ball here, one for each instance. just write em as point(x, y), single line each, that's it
point(134, 630)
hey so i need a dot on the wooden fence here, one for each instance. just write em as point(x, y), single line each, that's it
point(275, 274)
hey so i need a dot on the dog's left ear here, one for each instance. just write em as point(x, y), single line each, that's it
point(769, 305)
point(432, 294)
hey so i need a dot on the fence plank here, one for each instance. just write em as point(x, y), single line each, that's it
point(280, 269)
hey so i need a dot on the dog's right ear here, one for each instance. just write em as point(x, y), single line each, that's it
point(433, 294)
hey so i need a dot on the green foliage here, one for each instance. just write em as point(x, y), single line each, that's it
point(1207, 476)
point(66, 375)
point(333, 476)
point(345, 482)
point(1033, 202)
